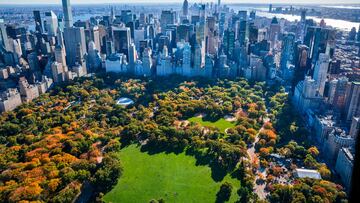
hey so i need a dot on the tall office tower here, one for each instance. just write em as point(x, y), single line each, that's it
point(242, 32)
point(183, 32)
point(93, 59)
point(303, 15)
point(58, 72)
point(168, 17)
point(219, 3)
point(38, 22)
point(252, 15)
point(340, 93)
point(355, 127)
point(74, 36)
point(79, 55)
point(4, 41)
point(142, 19)
point(126, 16)
point(222, 24)
point(242, 15)
point(147, 62)
point(253, 33)
point(60, 55)
point(33, 61)
point(229, 42)
point(132, 58)
point(59, 37)
point(320, 40)
point(122, 40)
point(95, 37)
point(185, 8)
point(301, 64)
point(186, 56)
point(51, 23)
point(358, 36)
point(67, 13)
point(270, 8)
point(112, 14)
point(352, 101)
point(199, 57)
point(321, 72)
point(275, 30)
point(287, 53)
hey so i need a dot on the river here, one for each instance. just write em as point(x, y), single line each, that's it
point(335, 23)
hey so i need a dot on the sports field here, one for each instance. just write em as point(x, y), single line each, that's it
point(222, 124)
point(175, 178)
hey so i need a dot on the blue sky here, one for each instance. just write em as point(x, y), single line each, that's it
point(178, 1)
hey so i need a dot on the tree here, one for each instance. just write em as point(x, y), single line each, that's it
point(224, 192)
point(108, 173)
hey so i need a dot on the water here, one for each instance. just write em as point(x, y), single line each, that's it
point(335, 23)
point(338, 24)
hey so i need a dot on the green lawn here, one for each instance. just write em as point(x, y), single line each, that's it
point(222, 124)
point(175, 178)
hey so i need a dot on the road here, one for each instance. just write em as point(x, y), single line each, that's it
point(259, 189)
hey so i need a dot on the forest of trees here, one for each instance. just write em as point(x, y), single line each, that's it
point(67, 139)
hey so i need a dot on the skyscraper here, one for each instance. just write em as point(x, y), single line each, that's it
point(38, 23)
point(353, 101)
point(4, 42)
point(303, 15)
point(185, 8)
point(320, 40)
point(168, 17)
point(122, 40)
point(51, 23)
point(287, 54)
point(320, 72)
point(67, 13)
point(74, 36)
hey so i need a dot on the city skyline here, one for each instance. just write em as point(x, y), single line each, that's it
point(179, 1)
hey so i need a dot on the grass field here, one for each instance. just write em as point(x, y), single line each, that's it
point(175, 178)
point(222, 124)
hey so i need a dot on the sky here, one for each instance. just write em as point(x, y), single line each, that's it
point(180, 1)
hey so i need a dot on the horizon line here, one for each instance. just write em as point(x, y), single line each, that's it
point(109, 3)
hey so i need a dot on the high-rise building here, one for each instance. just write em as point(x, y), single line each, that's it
point(60, 55)
point(168, 17)
point(67, 13)
point(353, 101)
point(252, 15)
point(275, 30)
point(4, 42)
point(38, 22)
point(51, 23)
point(339, 99)
point(132, 58)
point(229, 42)
point(185, 8)
point(122, 40)
point(74, 36)
point(321, 72)
point(303, 15)
point(242, 32)
point(287, 52)
point(319, 40)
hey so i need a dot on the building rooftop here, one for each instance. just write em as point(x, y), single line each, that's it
point(123, 101)
point(307, 173)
